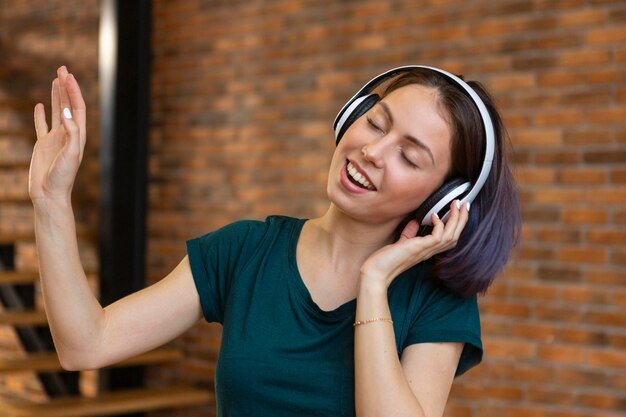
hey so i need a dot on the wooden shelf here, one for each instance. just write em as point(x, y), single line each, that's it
point(14, 277)
point(23, 318)
point(112, 403)
point(49, 361)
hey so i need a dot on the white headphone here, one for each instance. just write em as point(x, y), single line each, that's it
point(439, 202)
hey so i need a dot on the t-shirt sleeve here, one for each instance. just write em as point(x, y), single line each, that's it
point(447, 317)
point(214, 258)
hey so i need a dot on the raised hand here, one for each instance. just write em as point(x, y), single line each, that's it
point(59, 150)
point(390, 261)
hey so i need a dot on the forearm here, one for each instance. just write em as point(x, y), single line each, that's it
point(381, 387)
point(74, 314)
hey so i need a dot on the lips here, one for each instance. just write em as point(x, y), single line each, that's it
point(358, 177)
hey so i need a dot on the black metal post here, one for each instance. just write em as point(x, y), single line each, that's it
point(124, 108)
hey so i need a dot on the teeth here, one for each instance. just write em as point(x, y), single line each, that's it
point(356, 176)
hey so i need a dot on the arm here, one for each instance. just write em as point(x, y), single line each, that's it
point(419, 384)
point(85, 334)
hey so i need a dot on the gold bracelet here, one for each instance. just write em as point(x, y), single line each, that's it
point(359, 322)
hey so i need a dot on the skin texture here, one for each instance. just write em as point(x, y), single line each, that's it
point(347, 253)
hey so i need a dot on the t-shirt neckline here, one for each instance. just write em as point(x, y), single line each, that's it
point(344, 311)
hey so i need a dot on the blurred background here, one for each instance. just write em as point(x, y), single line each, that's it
point(238, 103)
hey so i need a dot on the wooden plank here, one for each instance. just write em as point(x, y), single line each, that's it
point(49, 361)
point(112, 403)
point(24, 278)
point(14, 277)
point(23, 318)
point(8, 238)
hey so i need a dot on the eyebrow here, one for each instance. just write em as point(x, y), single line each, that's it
point(413, 139)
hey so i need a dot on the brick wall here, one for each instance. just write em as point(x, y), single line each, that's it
point(37, 36)
point(243, 99)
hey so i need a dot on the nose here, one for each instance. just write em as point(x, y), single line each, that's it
point(375, 150)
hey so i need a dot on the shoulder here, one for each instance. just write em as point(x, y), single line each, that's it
point(248, 227)
point(244, 232)
point(429, 312)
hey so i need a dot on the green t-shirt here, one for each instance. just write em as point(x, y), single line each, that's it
point(281, 355)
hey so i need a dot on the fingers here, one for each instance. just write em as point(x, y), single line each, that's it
point(63, 96)
point(55, 104)
point(447, 235)
point(73, 144)
point(459, 216)
point(41, 127)
point(75, 98)
point(410, 230)
point(77, 106)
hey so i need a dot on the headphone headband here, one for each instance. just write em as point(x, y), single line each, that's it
point(469, 91)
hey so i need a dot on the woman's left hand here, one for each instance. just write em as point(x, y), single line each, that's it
point(390, 261)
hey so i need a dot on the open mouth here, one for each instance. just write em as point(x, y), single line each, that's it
point(357, 179)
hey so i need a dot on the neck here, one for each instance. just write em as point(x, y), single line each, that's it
point(345, 240)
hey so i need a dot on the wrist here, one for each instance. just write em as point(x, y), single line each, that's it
point(369, 286)
point(46, 206)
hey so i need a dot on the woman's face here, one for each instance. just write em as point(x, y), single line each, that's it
point(392, 158)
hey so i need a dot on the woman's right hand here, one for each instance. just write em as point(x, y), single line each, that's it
point(58, 151)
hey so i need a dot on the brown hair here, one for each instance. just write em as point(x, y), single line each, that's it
point(494, 222)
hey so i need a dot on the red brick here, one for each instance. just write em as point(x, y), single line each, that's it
point(553, 396)
point(582, 255)
point(606, 318)
point(612, 195)
point(583, 336)
point(606, 115)
point(559, 78)
point(558, 314)
point(559, 118)
point(583, 176)
point(505, 348)
point(548, 195)
point(585, 57)
point(558, 157)
point(519, 81)
point(585, 16)
point(559, 274)
point(535, 291)
point(606, 276)
point(506, 309)
point(586, 295)
point(535, 175)
point(618, 176)
point(588, 136)
point(537, 137)
point(606, 237)
point(557, 234)
point(609, 35)
point(604, 401)
point(585, 216)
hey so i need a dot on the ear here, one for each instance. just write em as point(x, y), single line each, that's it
point(439, 201)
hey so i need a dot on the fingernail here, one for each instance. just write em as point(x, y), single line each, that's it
point(467, 206)
point(458, 204)
point(67, 113)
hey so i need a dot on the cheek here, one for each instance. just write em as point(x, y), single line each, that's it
point(412, 192)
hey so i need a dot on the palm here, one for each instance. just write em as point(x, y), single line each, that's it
point(51, 170)
point(391, 260)
point(58, 151)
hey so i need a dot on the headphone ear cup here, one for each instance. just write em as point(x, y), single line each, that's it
point(450, 190)
point(362, 108)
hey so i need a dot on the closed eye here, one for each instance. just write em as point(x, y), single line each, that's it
point(374, 126)
point(406, 159)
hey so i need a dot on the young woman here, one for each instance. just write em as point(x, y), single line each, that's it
point(368, 310)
